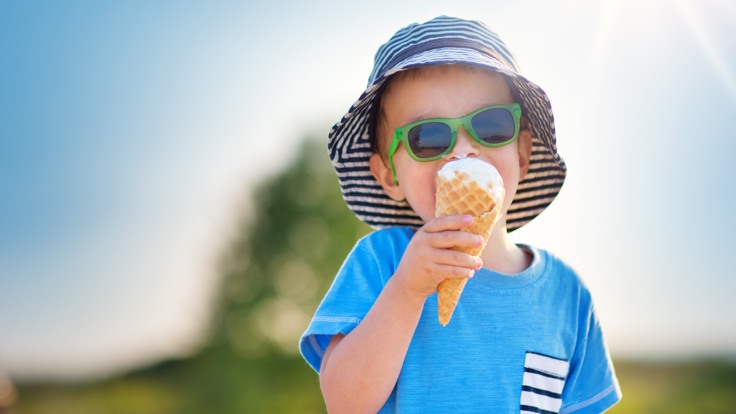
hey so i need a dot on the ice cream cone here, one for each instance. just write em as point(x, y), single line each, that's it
point(466, 186)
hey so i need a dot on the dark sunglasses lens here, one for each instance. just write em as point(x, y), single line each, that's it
point(430, 139)
point(494, 126)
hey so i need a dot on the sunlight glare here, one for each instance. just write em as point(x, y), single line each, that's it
point(707, 44)
point(603, 36)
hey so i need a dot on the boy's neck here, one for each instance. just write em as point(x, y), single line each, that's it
point(503, 256)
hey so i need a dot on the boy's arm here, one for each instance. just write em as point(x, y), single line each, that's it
point(360, 370)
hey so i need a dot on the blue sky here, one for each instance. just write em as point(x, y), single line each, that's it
point(130, 133)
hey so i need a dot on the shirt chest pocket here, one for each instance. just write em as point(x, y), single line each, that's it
point(543, 382)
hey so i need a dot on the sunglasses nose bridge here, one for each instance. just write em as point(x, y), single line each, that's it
point(465, 144)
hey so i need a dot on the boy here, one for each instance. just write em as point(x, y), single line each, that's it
point(524, 336)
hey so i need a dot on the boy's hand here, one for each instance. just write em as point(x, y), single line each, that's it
point(429, 258)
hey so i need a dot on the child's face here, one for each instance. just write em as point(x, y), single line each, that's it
point(445, 92)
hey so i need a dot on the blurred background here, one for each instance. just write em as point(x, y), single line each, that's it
point(169, 219)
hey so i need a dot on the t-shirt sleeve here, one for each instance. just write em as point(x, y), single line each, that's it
point(591, 386)
point(352, 294)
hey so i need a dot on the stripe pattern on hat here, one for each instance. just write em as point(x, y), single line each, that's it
point(444, 40)
point(438, 29)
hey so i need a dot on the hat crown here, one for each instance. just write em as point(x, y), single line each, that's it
point(440, 32)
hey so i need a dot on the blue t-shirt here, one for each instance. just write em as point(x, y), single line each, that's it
point(528, 342)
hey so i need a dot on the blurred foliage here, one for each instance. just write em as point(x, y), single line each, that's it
point(279, 264)
point(688, 387)
point(293, 236)
point(284, 258)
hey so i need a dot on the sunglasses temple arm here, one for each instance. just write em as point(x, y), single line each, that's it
point(393, 170)
point(391, 151)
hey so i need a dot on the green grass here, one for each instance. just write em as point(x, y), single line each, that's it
point(682, 387)
point(218, 382)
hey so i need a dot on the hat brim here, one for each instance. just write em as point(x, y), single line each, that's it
point(350, 148)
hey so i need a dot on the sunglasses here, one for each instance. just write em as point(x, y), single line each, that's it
point(431, 139)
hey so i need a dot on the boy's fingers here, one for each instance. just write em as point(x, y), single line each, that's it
point(458, 259)
point(449, 239)
point(455, 272)
point(445, 223)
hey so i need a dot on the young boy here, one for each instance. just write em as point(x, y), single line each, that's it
point(524, 336)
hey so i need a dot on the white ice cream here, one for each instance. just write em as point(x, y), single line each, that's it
point(484, 173)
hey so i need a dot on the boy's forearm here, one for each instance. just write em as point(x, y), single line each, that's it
point(359, 372)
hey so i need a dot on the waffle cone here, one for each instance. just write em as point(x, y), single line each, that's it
point(462, 195)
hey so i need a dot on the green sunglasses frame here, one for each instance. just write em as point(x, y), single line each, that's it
point(401, 134)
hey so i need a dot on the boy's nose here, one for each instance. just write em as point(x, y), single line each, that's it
point(465, 145)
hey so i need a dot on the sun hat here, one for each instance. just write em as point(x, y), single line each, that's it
point(442, 40)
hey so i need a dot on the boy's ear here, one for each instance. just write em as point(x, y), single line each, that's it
point(525, 152)
point(384, 177)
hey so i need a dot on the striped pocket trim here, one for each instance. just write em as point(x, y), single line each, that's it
point(543, 382)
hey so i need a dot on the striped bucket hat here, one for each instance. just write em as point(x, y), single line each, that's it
point(443, 40)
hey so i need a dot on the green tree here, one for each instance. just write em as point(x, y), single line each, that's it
point(284, 257)
point(290, 243)
point(279, 265)
point(291, 240)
